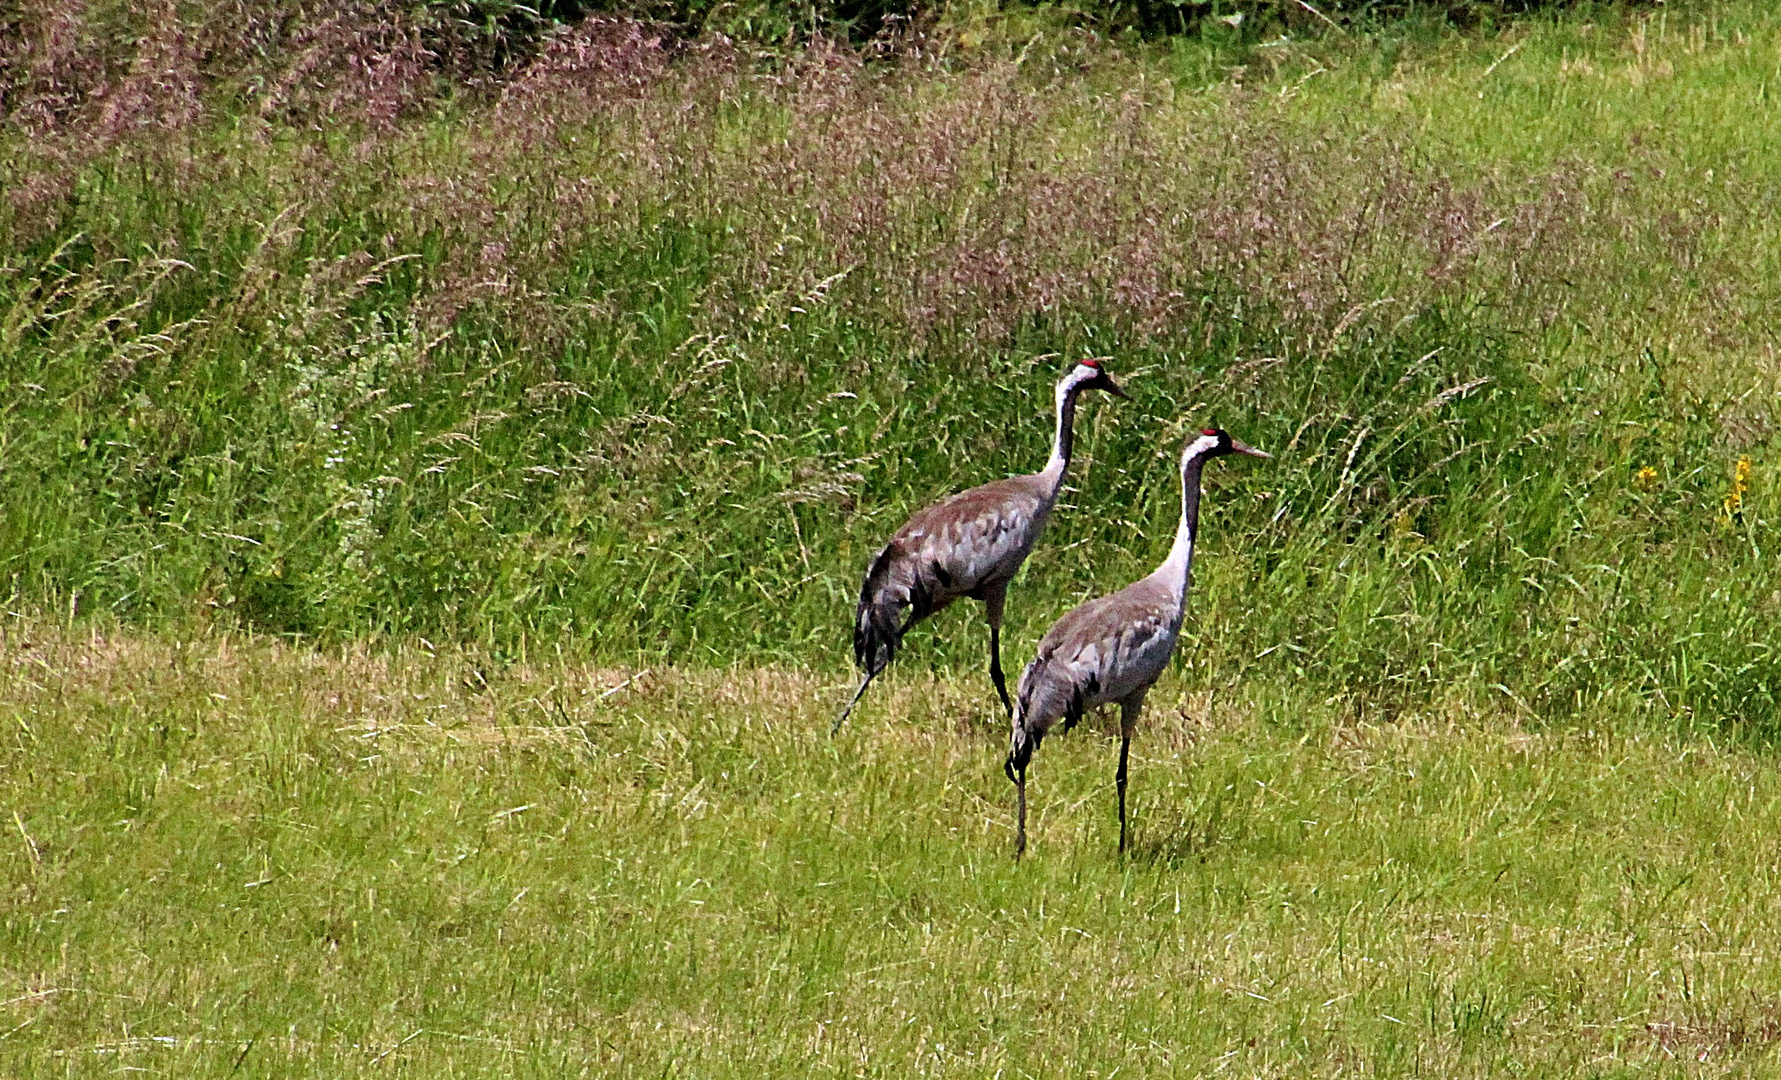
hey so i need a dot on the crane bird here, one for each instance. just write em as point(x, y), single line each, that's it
point(970, 544)
point(1111, 649)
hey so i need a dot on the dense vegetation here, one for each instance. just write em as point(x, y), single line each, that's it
point(641, 351)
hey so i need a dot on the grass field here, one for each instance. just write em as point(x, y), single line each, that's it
point(432, 498)
point(237, 857)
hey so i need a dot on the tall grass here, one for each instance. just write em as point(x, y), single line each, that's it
point(638, 352)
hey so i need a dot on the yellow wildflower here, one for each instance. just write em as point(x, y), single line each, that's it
point(1645, 478)
point(1734, 499)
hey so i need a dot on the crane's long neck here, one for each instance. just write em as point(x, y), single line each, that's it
point(1065, 439)
point(1177, 568)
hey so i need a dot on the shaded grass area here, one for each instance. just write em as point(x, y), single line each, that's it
point(237, 857)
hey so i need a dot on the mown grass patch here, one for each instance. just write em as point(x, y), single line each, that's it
point(232, 855)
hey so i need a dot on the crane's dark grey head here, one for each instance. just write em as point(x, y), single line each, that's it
point(1217, 442)
point(1090, 375)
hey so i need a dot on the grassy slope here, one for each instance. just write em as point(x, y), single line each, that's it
point(235, 854)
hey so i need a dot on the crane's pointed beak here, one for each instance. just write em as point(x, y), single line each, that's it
point(1240, 447)
point(1105, 382)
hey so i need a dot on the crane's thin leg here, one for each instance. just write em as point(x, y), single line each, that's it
point(993, 600)
point(1125, 749)
point(1020, 832)
point(995, 668)
point(848, 708)
point(1128, 722)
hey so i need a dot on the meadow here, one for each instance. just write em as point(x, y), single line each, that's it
point(238, 857)
point(435, 484)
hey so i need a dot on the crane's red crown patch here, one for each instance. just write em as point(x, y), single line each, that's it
point(1209, 431)
point(1091, 362)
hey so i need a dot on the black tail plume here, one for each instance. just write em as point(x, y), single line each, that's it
point(875, 637)
point(894, 584)
point(1022, 743)
point(891, 586)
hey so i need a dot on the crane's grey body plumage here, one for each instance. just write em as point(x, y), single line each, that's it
point(1113, 648)
point(968, 545)
point(1105, 651)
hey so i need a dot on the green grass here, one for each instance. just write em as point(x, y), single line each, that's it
point(650, 378)
point(240, 858)
point(351, 461)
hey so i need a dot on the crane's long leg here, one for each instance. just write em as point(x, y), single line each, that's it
point(995, 668)
point(851, 702)
point(1125, 749)
point(993, 600)
point(1128, 722)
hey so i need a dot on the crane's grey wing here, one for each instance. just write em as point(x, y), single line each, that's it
point(978, 536)
point(1126, 641)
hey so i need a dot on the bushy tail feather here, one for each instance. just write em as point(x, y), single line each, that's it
point(875, 636)
point(1020, 744)
point(890, 588)
point(1025, 740)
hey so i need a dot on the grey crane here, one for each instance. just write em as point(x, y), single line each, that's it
point(1111, 649)
point(968, 545)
